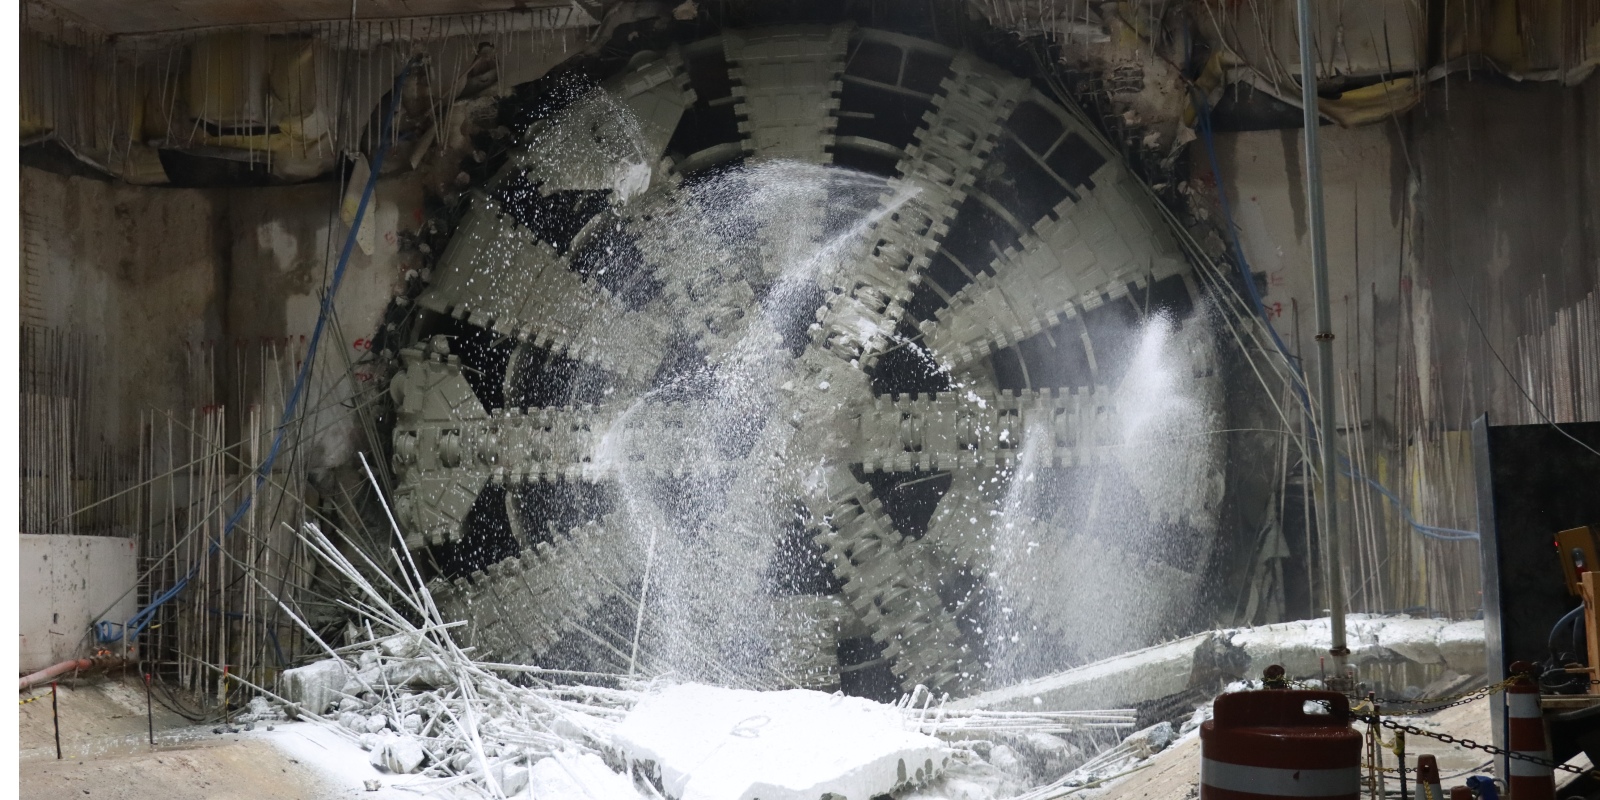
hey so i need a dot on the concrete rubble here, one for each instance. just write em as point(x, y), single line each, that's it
point(709, 743)
point(697, 742)
point(426, 711)
point(570, 774)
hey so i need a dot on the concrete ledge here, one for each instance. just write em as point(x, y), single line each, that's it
point(1197, 661)
point(1119, 682)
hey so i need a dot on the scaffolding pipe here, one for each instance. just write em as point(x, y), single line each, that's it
point(71, 665)
point(1327, 444)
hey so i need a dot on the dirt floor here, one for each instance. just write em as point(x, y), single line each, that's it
point(107, 753)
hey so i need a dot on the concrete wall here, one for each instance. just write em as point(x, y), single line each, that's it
point(1453, 231)
point(162, 274)
point(1364, 180)
point(285, 244)
point(1507, 219)
point(141, 268)
point(64, 582)
point(1488, 194)
point(186, 289)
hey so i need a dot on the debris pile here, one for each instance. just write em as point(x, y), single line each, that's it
point(421, 706)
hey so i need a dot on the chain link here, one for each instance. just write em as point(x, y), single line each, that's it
point(1434, 704)
point(1470, 744)
point(1448, 701)
point(1451, 701)
point(33, 698)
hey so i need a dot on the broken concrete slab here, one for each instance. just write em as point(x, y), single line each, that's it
point(710, 743)
point(1301, 646)
point(1199, 661)
point(316, 686)
point(1120, 682)
point(573, 774)
point(398, 754)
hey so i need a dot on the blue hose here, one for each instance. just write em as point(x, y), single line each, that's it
point(1430, 531)
point(140, 621)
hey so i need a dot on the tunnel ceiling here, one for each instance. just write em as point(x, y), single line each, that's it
point(799, 300)
point(119, 18)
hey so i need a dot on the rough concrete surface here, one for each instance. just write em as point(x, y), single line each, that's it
point(103, 736)
point(162, 275)
point(228, 768)
point(94, 713)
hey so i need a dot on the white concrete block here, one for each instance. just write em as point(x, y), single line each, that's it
point(1414, 639)
point(65, 581)
point(317, 685)
point(400, 755)
point(1118, 682)
point(576, 775)
point(1300, 646)
point(1461, 647)
point(711, 743)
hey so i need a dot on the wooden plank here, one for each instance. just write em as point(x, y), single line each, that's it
point(1590, 589)
point(1170, 774)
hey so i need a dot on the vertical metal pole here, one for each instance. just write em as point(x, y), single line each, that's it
point(55, 717)
point(1400, 755)
point(149, 710)
point(1328, 444)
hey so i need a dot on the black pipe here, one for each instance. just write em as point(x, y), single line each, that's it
point(1400, 751)
point(55, 715)
point(149, 710)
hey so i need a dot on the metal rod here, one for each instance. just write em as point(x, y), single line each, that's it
point(55, 717)
point(149, 710)
point(1319, 275)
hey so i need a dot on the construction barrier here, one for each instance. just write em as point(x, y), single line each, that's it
point(1428, 785)
point(1264, 744)
point(1527, 736)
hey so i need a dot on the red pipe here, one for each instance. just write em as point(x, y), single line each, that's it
point(76, 665)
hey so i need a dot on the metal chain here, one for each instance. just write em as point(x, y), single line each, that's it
point(1452, 700)
point(1440, 703)
point(1469, 744)
point(1418, 712)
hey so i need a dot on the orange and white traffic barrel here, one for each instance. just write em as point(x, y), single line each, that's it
point(1527, 736)
point(1264, 744)
point(1428, 786)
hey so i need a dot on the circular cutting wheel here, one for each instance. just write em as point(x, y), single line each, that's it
point(808, 356)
